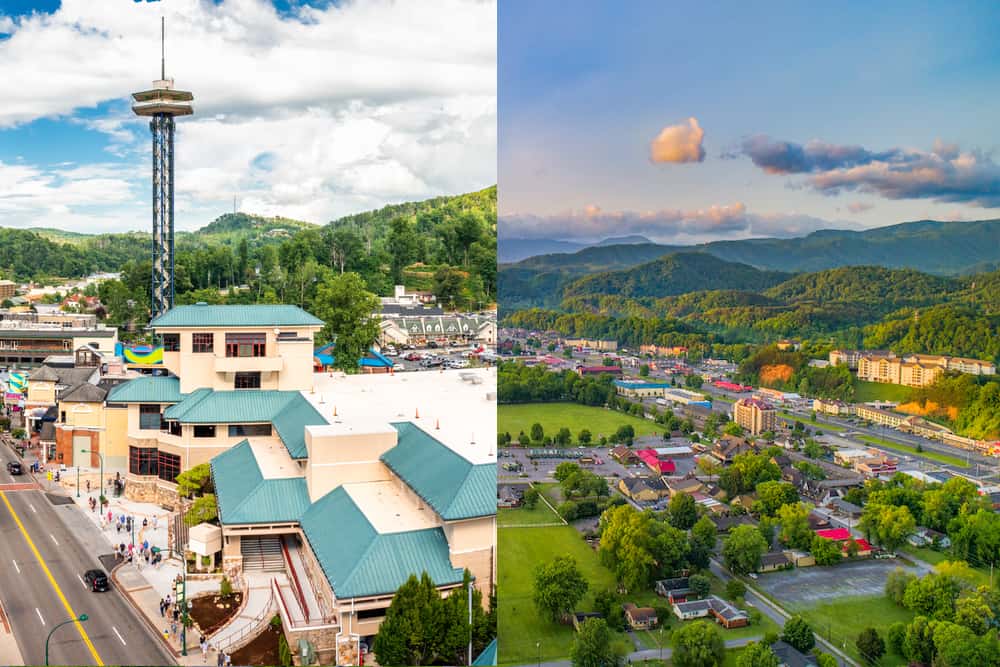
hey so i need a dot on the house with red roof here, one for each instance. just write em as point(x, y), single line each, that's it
point(655, 463)
point(844, 537)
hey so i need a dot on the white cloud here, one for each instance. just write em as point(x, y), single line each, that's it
point(679, 143)
point(354, 106)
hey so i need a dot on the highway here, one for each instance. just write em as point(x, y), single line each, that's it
point(42, 561)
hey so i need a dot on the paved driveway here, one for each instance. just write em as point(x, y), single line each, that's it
point(805, 586)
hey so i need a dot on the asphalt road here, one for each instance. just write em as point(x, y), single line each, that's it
point(41, 585)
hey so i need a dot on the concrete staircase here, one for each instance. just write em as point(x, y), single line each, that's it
point(262, 554)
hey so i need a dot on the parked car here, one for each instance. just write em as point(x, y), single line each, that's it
point(396, 368)
point(15, 468)
point(390, 351)
point(432, 345)
point(96, 580)
point(413, 356)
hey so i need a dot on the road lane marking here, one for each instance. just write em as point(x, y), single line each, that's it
point(15, 566)
point(32, 508)
point(40, 616)
point(52, 580)
point(54, 539)
point(82, 581)
point(119, 636)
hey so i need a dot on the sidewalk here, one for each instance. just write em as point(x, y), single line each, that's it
point(10, 654)
point(143, 585)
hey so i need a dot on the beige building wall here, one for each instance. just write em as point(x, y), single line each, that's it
point(41, 393)
point(340, 454)
point(286, 365)
point(105, 344)
point(471, 545)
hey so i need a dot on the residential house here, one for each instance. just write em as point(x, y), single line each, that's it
point(773, 561)
point(725, 614)
point(675, 589)
point(643, 489)
point(724, 524)
point(639, 618)
point(688, 485)
point(789, 656)
point(624, 455)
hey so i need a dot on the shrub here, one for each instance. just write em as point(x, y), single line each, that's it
point(226, 590)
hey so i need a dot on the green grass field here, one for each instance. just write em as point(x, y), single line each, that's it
point(552, 416)
point(927, 454)
point(844, 619)
point(880, 391)
point(519, 551)
point(932, 556)
point(541, 514)
point(811, 422)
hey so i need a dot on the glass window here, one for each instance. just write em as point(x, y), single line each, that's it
point(247, 430)
point(247, 381)
point(203, 342)
point(171, 342)
point(150, 418)
point(142, 460)
point(169, 466)
point(204, 430)
point(246, 344)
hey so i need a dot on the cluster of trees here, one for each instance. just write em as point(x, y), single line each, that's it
point(639, 549)
point(422, 628)
point(976, 400)
point(747, 471)
point(954, 617)
point(892, 509)
point(955, 329)
point(517, 383)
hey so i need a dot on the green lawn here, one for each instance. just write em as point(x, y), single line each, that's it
point(932, 556)
point(927, 454)
point(539, 515)
point(812, 422)
point(552, 416)
point(845, 618)
point(519, 551)
point(880, 391)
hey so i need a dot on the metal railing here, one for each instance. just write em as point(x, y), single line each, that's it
point(250, 630)
point(296, 586)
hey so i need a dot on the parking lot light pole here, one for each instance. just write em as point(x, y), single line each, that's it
point(80, 618)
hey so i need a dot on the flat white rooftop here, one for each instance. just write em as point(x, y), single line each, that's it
point(389, 509)
point(273, 459)
point(457, 407)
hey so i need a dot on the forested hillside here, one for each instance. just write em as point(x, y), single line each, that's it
point(446, 245)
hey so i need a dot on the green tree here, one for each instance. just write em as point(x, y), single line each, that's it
point(703, 538)
point(795, 529)
point(896, 584)
point(743, 549)
point(757, 654)
point(894, 637)
point(798, 633)
point(347, 308)
point(693, 381)
point(594, 646)
point(644, 370)
point(559, 586)
point(700, 585)
point(563, 437)
point(683, 511)
point(735, 589)
point(195, 481)
point(698, 644)
point(584, 437)
point(530, 498)
point(448, 284)
point(773, 495)
point(203, 509)
point(870, 645)
point(537, 432)
point(403, 245)
point(826, 552)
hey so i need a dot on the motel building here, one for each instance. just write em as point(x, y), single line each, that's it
point(332, 489)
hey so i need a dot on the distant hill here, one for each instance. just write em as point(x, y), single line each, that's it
point(515, 250)
point(676, 274)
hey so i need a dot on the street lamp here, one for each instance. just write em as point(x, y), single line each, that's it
point(100, 481)
point(538, 648)
point(81, 617)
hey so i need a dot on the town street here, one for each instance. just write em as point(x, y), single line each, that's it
point(42, 561)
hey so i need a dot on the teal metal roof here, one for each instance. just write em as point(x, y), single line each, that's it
point(448, 482)
point(360, 562)
point(147, 389)
point(488, 657)
point(244, 496)
point(288, 411)
point(203, 315)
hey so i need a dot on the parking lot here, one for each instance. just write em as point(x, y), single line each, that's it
point(806, 586)
point(455, 355)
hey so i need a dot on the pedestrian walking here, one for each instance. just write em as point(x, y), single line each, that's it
point(204, 648)
point(228, 661)
point(156, 521)
point(220, 659)
point(173, 628)
point(162, 607)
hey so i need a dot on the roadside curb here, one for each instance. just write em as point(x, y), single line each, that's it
point(142, 614)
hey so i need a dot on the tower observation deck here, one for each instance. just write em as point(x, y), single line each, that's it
point(161, 104)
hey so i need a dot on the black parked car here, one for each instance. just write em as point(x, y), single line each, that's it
point(97, 580)
point(15, 468)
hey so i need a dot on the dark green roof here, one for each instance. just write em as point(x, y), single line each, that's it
point(288, 411)
point(245, 496)
point(203, 315)
point(447, 481)
point(359, 562)
point(147, 389)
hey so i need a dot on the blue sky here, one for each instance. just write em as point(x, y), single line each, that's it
point(804, 117)
point(309, 109)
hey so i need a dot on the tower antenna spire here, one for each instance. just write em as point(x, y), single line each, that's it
point(163, 48)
